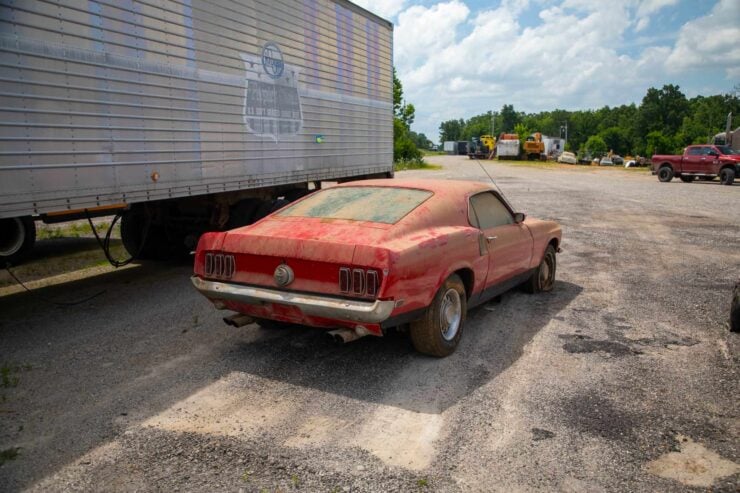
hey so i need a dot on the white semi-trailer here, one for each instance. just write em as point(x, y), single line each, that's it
point(184, 115)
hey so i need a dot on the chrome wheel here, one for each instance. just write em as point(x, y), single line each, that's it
point(547, 271)
point(450, 314)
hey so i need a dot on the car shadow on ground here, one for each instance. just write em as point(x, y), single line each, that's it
point(389, 371)
point(85, 373)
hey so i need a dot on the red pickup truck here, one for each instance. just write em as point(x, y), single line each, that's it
point(702, 161)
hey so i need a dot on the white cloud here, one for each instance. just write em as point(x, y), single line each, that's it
point(454, 63)
point(423, 32)
point(383, 8)
point(710, 40)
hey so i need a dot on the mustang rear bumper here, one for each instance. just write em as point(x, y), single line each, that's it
point(369, 312)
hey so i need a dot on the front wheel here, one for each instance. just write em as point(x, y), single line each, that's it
point(727, 176)
point(543, 278)
point(688, 178)
point(665, 174)
point(439, 331)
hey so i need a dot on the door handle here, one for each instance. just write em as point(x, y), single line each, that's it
point(491, 238)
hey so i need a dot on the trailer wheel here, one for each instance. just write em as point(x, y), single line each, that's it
point(17, 237)
point(142, 238)
point(727, 176)
point(665, 174)
point(242, 213)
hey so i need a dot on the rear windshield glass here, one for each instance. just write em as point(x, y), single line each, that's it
point(377, 204)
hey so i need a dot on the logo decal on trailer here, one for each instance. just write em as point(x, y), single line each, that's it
point(272, 104)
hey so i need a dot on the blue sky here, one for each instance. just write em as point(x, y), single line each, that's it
point(459, 58)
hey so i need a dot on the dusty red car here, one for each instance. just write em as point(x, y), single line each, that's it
point(368, 255)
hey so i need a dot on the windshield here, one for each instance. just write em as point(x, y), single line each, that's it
point(728, 150)
point(376, 204)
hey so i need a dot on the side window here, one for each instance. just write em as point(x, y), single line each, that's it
point(489, 211)
point(696, 151)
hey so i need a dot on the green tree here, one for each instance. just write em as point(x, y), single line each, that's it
point(596, 146)
point(451, 130)
point(658, 143)
point(404, 147)
point(509, 118)
point(615, 139)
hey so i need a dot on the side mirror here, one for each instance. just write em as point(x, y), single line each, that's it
point(519, 217)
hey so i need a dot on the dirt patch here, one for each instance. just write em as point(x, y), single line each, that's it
point(692, 465)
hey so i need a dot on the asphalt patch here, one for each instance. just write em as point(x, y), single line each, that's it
point(578, 344)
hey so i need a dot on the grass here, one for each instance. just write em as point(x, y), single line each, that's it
point(407, 164)
point(7, 377)
point(76, 229)
point(8, 454)
point(427, 152)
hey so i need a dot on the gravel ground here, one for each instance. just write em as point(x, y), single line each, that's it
point(625, 378)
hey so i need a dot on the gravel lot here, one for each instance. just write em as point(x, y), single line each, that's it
point(625, 378)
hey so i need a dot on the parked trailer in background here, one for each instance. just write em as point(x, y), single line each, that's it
point(184, 115)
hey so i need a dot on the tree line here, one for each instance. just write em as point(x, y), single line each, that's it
point(664, 123)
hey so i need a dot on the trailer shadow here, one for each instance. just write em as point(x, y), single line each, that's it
point(389, 371)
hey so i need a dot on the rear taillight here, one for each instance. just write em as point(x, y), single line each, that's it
point(359, 282)
point(221, 265)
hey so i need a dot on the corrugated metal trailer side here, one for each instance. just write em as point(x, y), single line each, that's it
point(193, 114)
point(120, 101)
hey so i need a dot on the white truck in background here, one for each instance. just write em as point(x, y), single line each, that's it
point(184, 116)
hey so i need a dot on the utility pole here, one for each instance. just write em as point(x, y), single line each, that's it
point(493, 124)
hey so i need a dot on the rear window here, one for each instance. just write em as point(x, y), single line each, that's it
point(376, 204)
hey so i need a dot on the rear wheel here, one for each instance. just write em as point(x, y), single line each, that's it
point(439, 331)
point(727, 176)
point(665, 174)
point(687, 178)
point(17, 237)
point(543, 278)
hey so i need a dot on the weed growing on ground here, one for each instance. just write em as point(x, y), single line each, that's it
point(8, 454)
point(7, 379)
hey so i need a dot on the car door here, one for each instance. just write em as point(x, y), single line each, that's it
point(509, 244)
point(694, 160)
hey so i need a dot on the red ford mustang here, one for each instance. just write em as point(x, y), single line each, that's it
point(368, 255)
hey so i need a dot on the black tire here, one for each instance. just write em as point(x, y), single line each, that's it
point(665, 174)
point(142, 237)
point(543, 277)
point(242, 213)
point(439, 331)
point(687, 178)
point(17, 237)
point(268, 324)
point(727, 176)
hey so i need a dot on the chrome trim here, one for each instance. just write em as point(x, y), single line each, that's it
point(370, 312)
